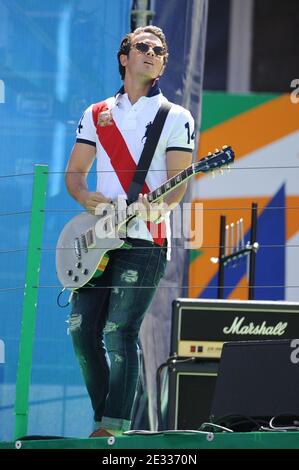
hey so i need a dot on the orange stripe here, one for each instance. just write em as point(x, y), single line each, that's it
point(241, 291)
point(253, 129)
point(103, 263)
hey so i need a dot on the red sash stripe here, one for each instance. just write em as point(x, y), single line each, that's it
point(114, 145)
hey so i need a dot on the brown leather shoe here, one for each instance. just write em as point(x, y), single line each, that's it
point(101, 433)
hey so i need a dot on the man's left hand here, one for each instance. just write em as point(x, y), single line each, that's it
point(153, 212)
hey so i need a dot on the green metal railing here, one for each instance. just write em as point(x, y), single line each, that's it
point(30, 299)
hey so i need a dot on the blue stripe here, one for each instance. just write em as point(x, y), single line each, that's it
point(85, 141)
point(270, 262)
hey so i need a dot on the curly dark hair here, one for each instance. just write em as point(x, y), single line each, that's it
point(126, 43)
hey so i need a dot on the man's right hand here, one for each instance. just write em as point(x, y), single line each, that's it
point(90, 200)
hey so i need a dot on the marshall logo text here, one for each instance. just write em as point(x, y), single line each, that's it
point(238, 328)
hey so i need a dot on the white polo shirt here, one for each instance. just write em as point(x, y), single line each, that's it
point(132, 122)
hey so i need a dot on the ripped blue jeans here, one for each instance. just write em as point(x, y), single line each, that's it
point(104, 325)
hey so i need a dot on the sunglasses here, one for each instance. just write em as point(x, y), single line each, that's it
point(143, 47)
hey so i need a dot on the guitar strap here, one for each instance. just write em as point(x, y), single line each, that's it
point(148, 152)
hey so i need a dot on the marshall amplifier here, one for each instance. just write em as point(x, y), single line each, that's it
point(201, 326)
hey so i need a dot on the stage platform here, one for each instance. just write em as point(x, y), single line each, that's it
point(172, 441)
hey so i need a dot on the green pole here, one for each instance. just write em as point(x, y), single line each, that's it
point(30, 299)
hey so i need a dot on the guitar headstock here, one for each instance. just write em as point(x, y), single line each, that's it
point(216, 160)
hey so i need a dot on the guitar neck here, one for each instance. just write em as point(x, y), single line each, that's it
point(171, 184)
point(204, 165)
point(165, 188)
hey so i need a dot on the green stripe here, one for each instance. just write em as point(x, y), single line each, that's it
point(218, 107)
point(194, 254)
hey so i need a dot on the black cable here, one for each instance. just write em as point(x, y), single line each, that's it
point(58, 300)
point(241, 422)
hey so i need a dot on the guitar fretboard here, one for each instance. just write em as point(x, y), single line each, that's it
point(205, 164)
point(170, 184)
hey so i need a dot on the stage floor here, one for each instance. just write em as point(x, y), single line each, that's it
point(174, 440)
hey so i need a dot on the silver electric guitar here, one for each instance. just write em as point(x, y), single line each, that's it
point(82, 250)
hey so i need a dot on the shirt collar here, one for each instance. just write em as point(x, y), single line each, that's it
point(153, 91)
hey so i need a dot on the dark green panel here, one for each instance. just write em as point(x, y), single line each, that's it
point(218, 107)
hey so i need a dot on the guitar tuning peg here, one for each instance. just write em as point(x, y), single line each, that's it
point(216, 150)
point(221, 171)
point(228, 168)
point(224, 147)
point(210, 153)
point(213, 174)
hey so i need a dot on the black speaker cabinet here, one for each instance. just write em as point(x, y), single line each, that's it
point(257, 379)
point(190, 392)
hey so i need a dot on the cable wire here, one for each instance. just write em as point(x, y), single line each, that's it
point(166, 287)
point(13, 250)
point(156, 247)
point(75, 288)
point(232, 168)
point(2, 214)
point(262, 209)
point(17, 174)
point(7, 289)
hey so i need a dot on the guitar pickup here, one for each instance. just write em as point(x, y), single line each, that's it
point(77, 248)
point(84, 243)
point(90, 238)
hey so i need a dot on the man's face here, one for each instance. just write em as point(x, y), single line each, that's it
point(147, 64)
